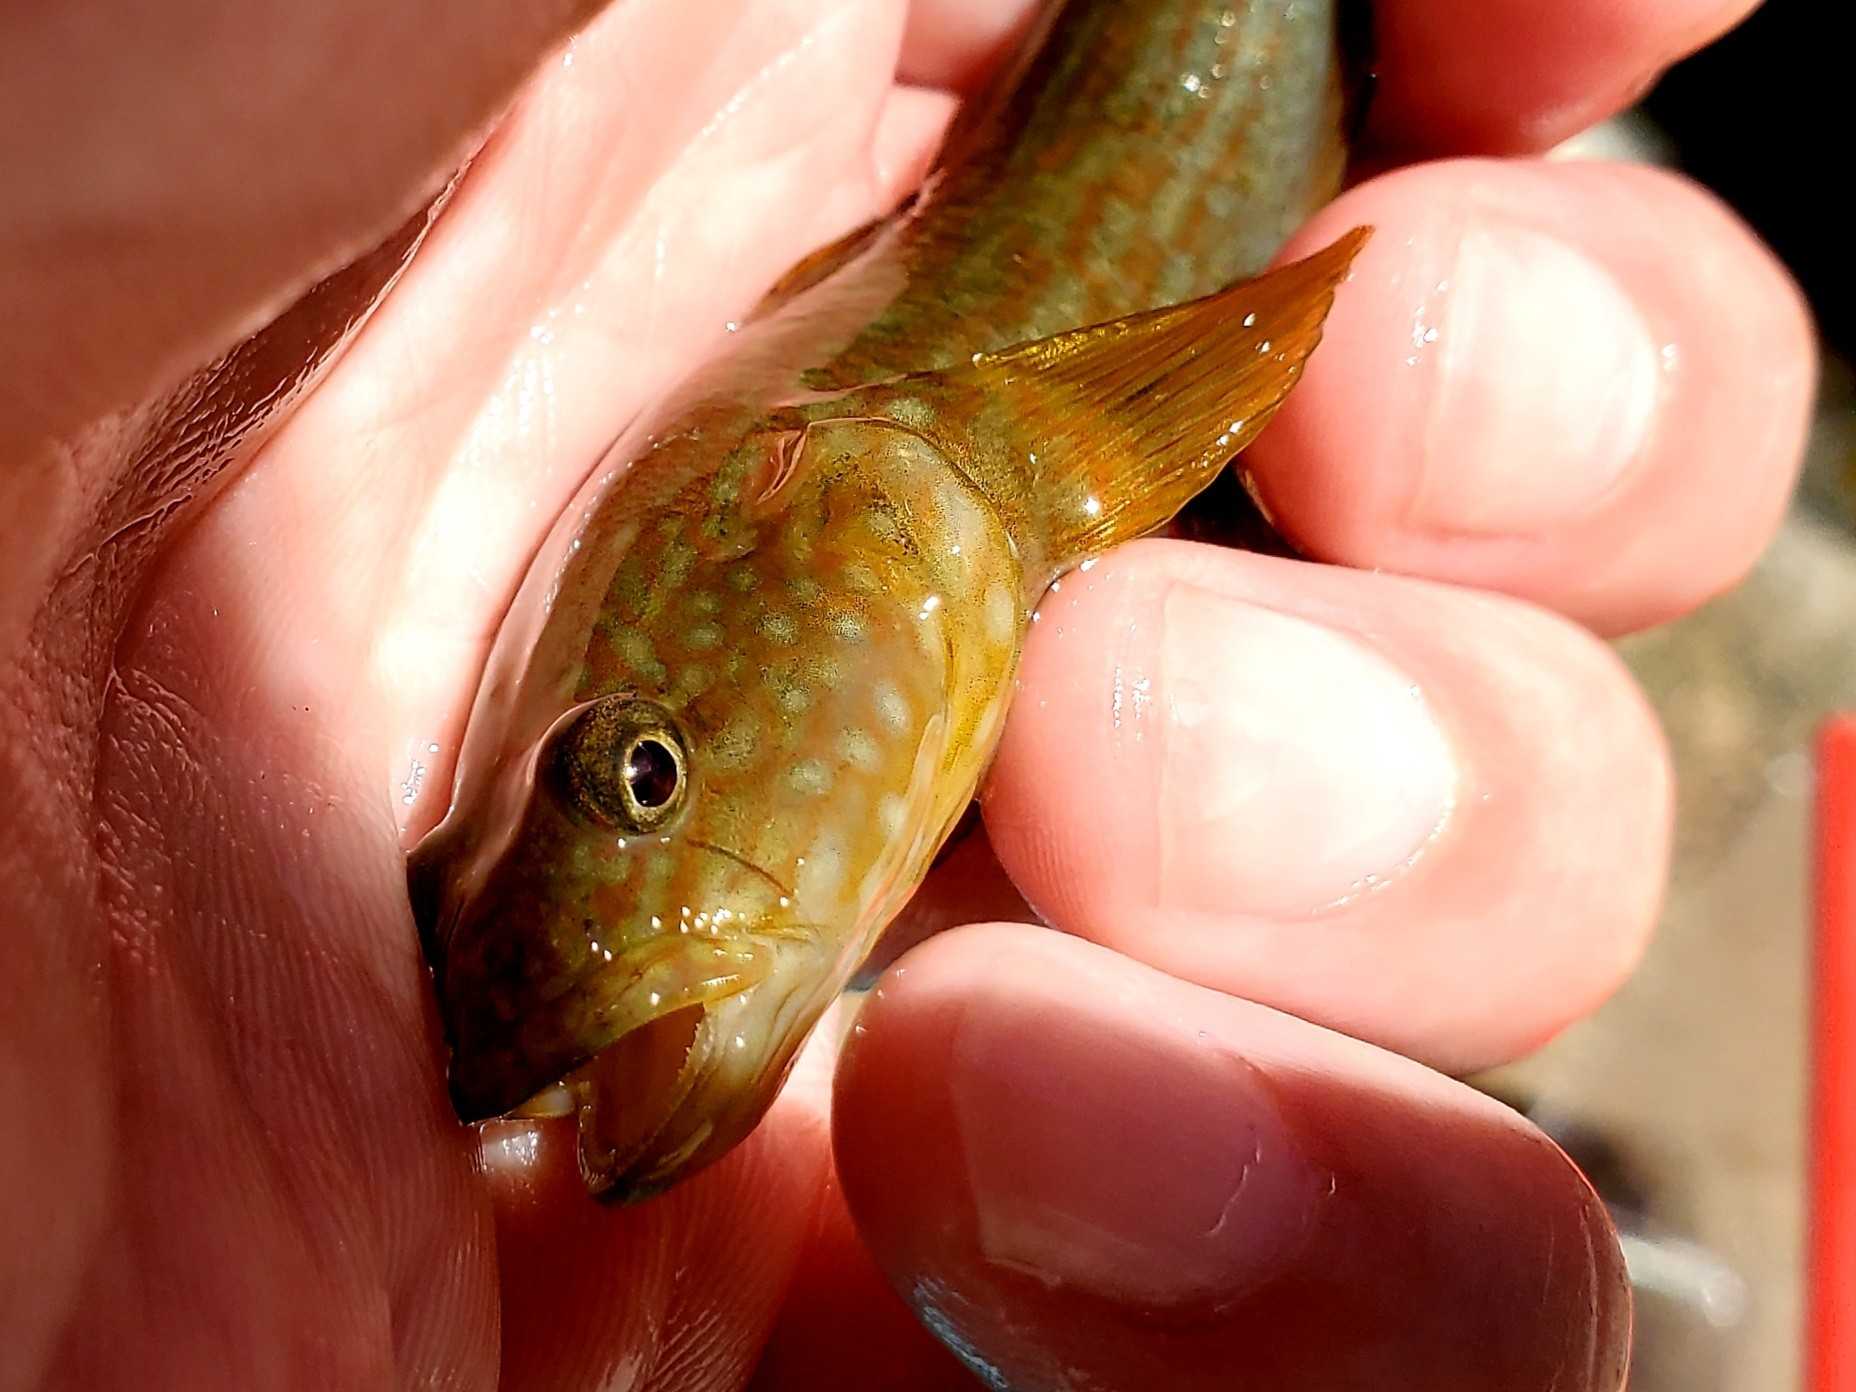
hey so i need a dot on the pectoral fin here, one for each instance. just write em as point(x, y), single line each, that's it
point(1121, 423)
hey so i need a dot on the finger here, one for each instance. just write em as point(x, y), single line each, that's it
point(1499, 76)
point(174, 147)
point(1588, 385)
point(666, 1295)
point(1082, 1172)
point(1432, 818)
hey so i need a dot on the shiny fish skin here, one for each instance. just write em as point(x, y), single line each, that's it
point(757, 671)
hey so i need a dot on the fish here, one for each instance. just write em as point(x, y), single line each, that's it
point(758, 669)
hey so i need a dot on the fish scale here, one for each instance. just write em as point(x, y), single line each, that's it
point(757, 670)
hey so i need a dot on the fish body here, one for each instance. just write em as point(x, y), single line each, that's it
point(756, 673)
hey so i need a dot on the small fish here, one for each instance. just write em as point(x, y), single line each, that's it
point(757, 671)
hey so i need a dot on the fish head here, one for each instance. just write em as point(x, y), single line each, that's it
point(640, 916)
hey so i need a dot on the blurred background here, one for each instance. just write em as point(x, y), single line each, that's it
point(1685, 1097)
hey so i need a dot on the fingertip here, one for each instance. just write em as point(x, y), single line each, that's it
point(1432, 818)
point(1563, 67)
point(1523, 389)
point(1067, 1161)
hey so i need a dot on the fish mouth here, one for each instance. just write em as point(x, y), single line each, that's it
point(628, 1098)
point(498, 1063)
point(679, 1089)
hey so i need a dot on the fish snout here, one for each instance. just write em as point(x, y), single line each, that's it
point(683, 1088)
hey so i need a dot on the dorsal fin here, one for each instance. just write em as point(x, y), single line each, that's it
point(1120, 424)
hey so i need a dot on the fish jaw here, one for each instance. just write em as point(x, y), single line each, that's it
point(678, 1093)
point(669, 1049)
point(568, 943)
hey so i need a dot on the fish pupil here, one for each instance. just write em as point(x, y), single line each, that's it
point(651, 773)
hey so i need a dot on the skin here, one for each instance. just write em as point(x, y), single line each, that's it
point(240, 1163)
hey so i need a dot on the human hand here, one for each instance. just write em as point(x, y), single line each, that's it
point(235, 1163)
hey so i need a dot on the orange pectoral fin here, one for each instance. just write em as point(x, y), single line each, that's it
point(1127, 420)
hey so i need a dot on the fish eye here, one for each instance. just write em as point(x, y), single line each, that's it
point(622, 763)
point(653, 772)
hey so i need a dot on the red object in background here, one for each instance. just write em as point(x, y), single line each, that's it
point(1832, 1277)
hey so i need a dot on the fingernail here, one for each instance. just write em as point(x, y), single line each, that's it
point(1151, 1175)
point(1300, 767)
point(1544, 377)
point(1140, 1191)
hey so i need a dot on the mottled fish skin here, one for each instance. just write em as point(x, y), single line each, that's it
point(794, 597)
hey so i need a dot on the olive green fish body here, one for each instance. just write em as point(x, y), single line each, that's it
point(758, 670)
point(808, 655)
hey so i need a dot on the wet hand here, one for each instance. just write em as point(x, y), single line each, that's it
point(1298, 821)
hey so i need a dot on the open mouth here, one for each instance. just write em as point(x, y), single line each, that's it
point(630, 1098)
point(684, 1084)
point(501, 1060)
